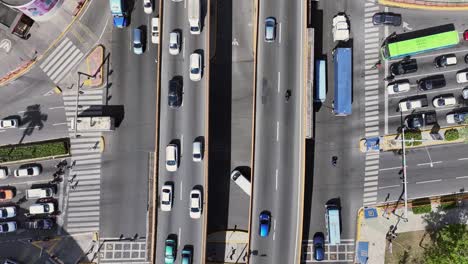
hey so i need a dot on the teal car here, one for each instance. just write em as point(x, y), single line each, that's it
point(186, 256)
point(169, 251)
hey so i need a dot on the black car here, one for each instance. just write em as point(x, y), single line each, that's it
point(43, 224)
point(386, 18)
point(421, 120)
point(174, 96)
point(445, 60)
point(432, 82)
point(403, 67)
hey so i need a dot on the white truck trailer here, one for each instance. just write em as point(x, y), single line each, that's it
point(194, 16)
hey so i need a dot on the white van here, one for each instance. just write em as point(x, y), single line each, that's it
point(39, 193)
point(42, 208)
point(172, 157)
point(240, 179)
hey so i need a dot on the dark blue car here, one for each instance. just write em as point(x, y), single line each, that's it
point(319, 245)
point(265, 221)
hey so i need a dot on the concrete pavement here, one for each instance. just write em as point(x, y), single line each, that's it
point(374, 223)
point(44, 35)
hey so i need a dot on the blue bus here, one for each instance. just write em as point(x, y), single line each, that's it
point(320, 81)
point(334, 228)
point(343, 81)
point(119, 13)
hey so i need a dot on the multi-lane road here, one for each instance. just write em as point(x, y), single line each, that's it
point(277, 186)
point(182, 125)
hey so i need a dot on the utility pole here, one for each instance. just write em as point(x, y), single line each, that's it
point(403, 142)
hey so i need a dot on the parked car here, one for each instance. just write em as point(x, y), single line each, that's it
point(186, 256)
point(174, 96)
point(404, 67)
point(462, 77)
point(386, 18)
point(6, 227)
point(169, 251)
point(264, 223)
point(398, 87)
point(155, 30)
point(4, 172)
point(465, 93)
point(421, 120)
point(42, 208)
point(195, 204)
point(147, 6)
point(7, 212)
point(465, 35)
point(444, 100)
point(172, 157)
point(319, 246)
point(30, 170)
point(270, 29)
point(6, 194)
point(174, 43)
point(40, 224)
point(411, 104)
point(457, 117)
point(340, 28)
point(432, 82)
point(9, 123)
point(195, 67)
point(445, 60)
point(166, 198)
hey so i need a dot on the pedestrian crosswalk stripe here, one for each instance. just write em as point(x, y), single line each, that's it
point(371, 9)
point(75, 214)
point(83, 224)
point(87, 177)
point(88, 198)
point(83, 219)
point(82, 203)
point(82, 230)
point(71, 52)
point(91, 156)
point(84, 193)
point(73, 93)
point(58, 75)
point(370, 183)
point(89, 182)
point(87, 171)
point(56, 54)
point(93, 102)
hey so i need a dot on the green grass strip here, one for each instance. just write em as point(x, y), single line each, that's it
point(33, 150)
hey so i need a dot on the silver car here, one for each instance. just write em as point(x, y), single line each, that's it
point(270, 29)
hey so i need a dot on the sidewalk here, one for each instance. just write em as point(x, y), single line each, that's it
point(227, 247)
point(374, 224)
point(44, 34)
point(446, 5)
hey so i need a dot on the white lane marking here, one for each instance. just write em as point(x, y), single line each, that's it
point(56, 107)
point(185, 3)
point(279, 31)
point(392, 168)
point(279, 81)
point(84, 12)
point(463, 159)
point(181, 144)
point(1, 131)
point(390, 186)
point(274, 233)
point(276, 180)
point(130, 43)
point(385, 85)
point(179, 238)
point(277, 131)
point(421, 182)
point(183, 50)
point(429, 163)
point(105, 26)
point(23, 128)
point(461, 177)
point(274, 224)
point(181, 192)
point(60, 124)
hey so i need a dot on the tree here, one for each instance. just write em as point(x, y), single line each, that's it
point(450, 246)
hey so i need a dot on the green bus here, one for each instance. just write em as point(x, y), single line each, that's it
point(419, 41)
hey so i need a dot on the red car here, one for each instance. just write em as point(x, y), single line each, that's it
point(465, 35)
point(5, 194)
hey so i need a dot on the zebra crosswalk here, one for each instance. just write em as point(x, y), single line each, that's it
point(62, 60)
point(371, 86)
point(84, 182)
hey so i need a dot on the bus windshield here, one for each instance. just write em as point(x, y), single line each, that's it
point(420, 41)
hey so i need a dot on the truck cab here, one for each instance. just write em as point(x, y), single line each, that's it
point(119, 13)
point(340, 28)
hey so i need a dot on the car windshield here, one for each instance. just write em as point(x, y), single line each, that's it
point(173, 46)
point(196, 155)
point(3, 213)
point(137, 45)
point(441, 101)
point(195, 70)
point(171, 162)
point(46, 208)
point(2, 195)
point(396, 89)
point(148, 4)
point(30, 171)
point(460, 117)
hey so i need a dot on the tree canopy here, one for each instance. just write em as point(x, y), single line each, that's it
point(450, 246)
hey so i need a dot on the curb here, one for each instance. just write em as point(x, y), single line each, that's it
point(358, 223)
point(425, 5)
point(24, 69)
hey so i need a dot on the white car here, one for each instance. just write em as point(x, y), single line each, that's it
point(32, 170)
point(195, 67)
point(147, 6)
point(166, 198)
point(9, 123)
point(7, 227)
point(172, 157)
point(398, 87)
point(174, 43)
point(4, 173)
point(462, 77)
point(444, 100)
point(197, 153)
point(155, 30)
point(340, 28)
point(408, 105)
point(195, 204)
point(7, 212)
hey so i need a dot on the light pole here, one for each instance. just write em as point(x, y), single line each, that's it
point(403, 142)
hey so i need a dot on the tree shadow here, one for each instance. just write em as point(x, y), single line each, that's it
point(441, 217)
point(33, 118)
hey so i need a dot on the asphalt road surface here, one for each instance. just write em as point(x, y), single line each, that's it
point(278, 136)
point(182, 125)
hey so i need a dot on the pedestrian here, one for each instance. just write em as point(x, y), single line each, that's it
point(73, 187)
point(72, 179)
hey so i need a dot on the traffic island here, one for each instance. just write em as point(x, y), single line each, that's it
point(416, 139)
point(93, 68)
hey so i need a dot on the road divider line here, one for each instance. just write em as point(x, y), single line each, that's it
point(60, 124)
point(389, 186)
point(277, 131)
point(183, 50)
point(179, 237)
point(392, 168)
point(56, 107)
point(276, 180)
point(274, 233)
point(463, 159)
point(279, 26)
point(429, 163)
point(461, 177)
point(279, 81)
point(181, 144)
point(421, 182)
point(181, 192)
